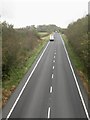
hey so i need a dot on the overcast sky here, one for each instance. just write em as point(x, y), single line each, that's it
point(23, 13)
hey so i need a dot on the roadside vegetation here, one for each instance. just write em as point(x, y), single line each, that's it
point(77, 43)
point(20, 48)
point(43, 34)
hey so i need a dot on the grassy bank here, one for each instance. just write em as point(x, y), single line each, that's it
point(16, 74)
point(78, 63)
point(43, 34)
point(75, 59)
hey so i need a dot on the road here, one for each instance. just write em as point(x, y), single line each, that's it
point(51, 90)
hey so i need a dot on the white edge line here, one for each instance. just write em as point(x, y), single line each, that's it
point(82, 99)
point(10, 112)
point(49, 112)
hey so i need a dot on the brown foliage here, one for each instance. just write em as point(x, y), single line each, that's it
point(16, 46)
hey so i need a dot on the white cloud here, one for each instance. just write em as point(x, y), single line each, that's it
point(28, 12)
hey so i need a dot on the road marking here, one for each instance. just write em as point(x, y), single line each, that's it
point(54, 56)
point(53, 67)
point(10, 112)
point(55, 53)
point(49, 110)
point(53, 60)
point(52, 76)
point(82, 99)
point(51, 89)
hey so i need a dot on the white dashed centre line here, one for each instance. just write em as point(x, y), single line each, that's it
point(55, 53)
point(51, 89)
point(49, 112)
point(52, 76)
point(53, 67)
point(53, 60)
point(54, 56)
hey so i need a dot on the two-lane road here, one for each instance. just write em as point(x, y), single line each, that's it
point(51, 90)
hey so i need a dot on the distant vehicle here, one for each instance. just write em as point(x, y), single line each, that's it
point(51, 37)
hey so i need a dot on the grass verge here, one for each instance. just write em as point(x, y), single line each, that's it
point(80, 68)
point(16, 74)
point(43, 34)
point(75, 59)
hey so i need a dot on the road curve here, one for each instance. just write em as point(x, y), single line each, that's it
point(51, 91)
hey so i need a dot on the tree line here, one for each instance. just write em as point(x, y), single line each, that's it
point(77, 34)
point(48, 28)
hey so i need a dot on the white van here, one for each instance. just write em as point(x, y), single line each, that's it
point(51, 37)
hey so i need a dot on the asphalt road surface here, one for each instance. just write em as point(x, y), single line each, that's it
point(49, 89)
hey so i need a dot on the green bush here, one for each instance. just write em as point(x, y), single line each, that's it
point(17, 45)
point(77, 34)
